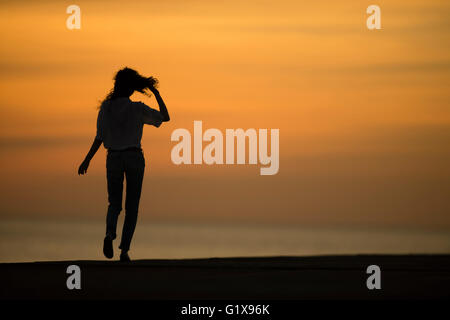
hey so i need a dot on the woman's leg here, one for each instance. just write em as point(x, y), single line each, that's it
point(114, 174)
point(134, 173)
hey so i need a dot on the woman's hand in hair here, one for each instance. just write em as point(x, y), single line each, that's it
point(152, 83)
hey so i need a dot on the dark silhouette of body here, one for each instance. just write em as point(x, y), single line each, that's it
point(119, 128)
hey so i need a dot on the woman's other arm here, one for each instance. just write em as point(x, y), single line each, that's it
point(98, 140)
point(85, 164)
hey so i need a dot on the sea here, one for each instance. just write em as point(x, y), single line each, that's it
point(27, 240)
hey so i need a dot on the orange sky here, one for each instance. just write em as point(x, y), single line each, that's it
point(364, 116)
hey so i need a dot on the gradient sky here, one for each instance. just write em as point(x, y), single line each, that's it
point(364, 116)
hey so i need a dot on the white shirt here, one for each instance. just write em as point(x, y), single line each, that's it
point(120, 122)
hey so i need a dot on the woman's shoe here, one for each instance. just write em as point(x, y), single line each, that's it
point(124, 257)
point(108, 248)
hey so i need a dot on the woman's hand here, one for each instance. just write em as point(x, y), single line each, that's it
point(85, 164)
point(152, 84)
point(83, 167)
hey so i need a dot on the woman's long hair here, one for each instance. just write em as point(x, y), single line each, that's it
point(126, 81)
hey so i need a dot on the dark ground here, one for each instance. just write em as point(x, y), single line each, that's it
point(319, 277)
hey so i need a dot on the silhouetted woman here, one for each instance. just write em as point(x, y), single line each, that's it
point(119, 127)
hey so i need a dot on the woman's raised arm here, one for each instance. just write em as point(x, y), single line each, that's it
point(162, 105)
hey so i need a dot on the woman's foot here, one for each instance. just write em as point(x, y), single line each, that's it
point(124, 257)
point(108, 248)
